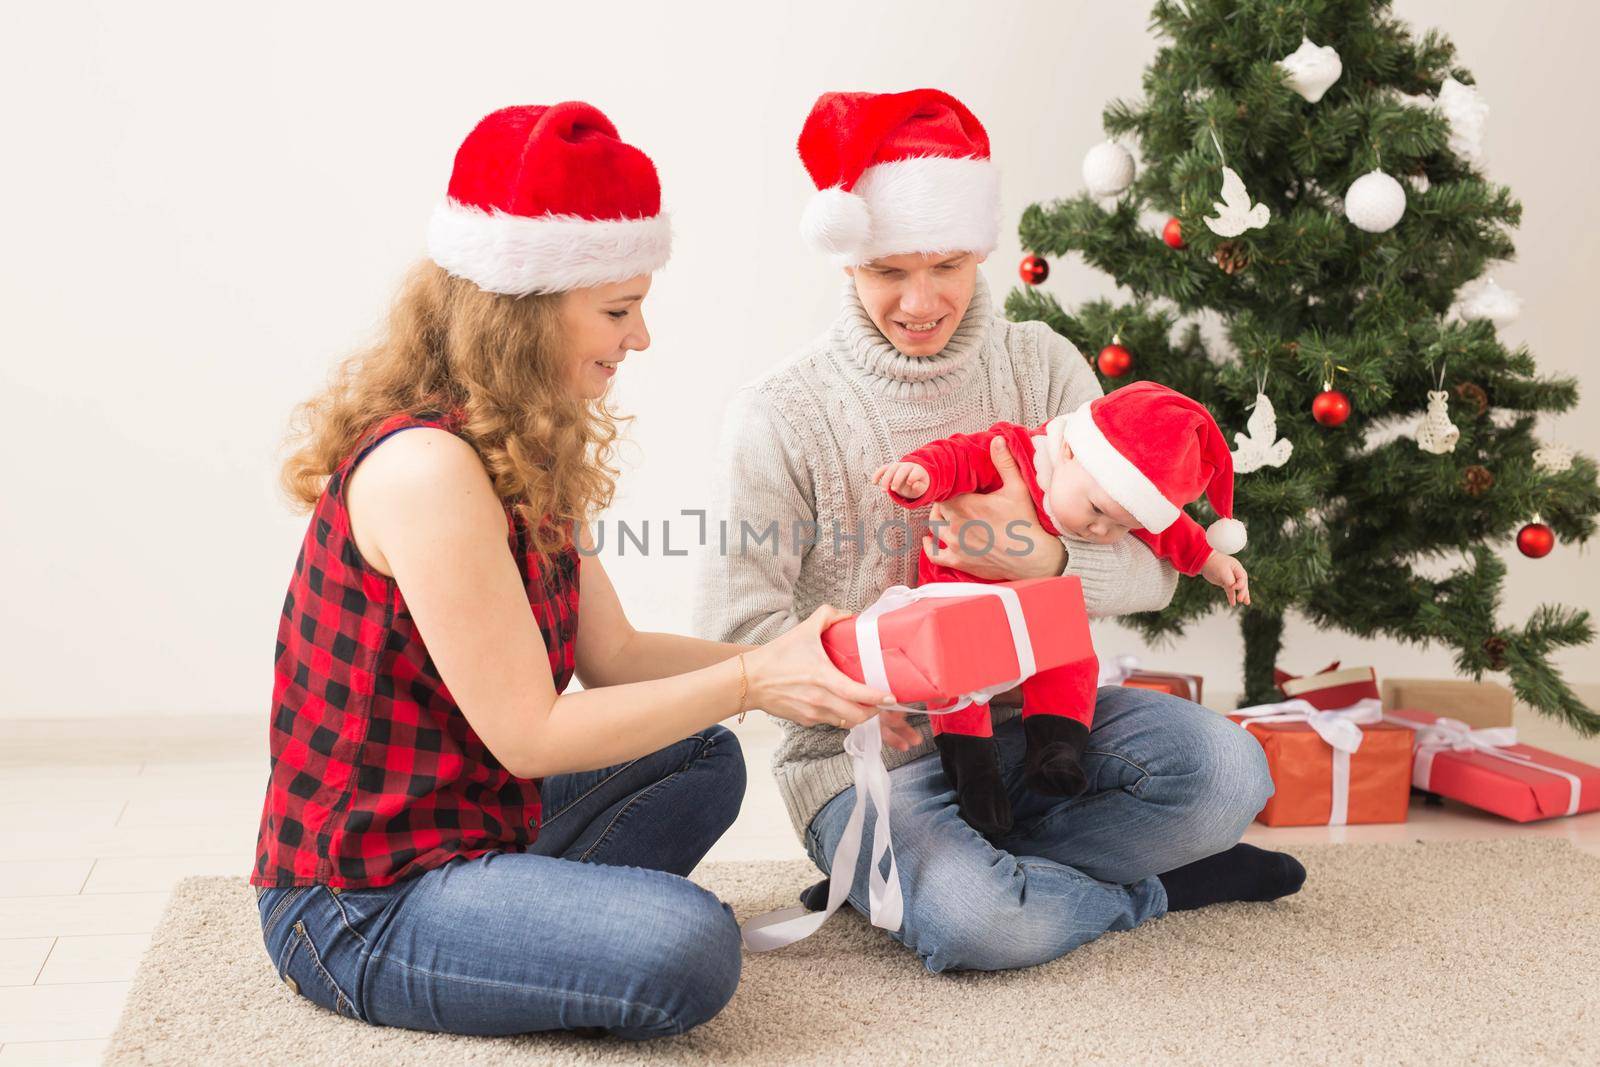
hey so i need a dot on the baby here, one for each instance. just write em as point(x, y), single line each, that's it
point(1125, 463)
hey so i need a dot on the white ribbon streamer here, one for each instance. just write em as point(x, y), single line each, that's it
point(1453, 735)
point(1339, 727)
point(864, 744)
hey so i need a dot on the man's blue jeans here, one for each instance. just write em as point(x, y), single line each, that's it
point(595, 927)
point(1170, 782)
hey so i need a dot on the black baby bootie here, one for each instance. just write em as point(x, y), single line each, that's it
point(973, 766)
point(1054, 762)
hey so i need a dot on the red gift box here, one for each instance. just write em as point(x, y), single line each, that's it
point(1488, 769)
point(1186, 686)
point(937, 649)
point(1329, 688)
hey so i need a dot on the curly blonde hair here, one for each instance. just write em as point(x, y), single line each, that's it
point(495, 360)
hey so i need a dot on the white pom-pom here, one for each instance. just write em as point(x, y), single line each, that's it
point(1226, 536)
point(836, 222)
point(1311, 70)
point(1107, 169)
point(1374, 202)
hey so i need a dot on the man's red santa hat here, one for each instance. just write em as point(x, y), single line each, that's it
point(896, 173)
point(1155, 450)
point(548, 198)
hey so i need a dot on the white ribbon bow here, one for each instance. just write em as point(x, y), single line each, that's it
point(1339, 727)
point(1453, 735)
point(864, 744)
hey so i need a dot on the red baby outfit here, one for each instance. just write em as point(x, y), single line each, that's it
point(962, 464)
point(1152, 450)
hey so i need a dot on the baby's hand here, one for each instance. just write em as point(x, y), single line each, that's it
point(909, 480)
point(1229, 573)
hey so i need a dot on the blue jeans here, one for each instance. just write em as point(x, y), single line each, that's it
point(595, 927)
point(1170, 782)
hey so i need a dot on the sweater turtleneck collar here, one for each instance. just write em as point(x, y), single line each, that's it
point(913, 377)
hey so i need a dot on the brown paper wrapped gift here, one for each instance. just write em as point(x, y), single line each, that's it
point(1481, 705)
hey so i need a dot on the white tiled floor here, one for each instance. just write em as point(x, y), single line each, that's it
point(117, 811)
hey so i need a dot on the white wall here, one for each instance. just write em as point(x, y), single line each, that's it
point(210, 203)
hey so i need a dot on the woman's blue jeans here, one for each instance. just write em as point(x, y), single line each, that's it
point(595, 927)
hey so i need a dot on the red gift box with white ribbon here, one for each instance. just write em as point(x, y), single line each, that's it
point(1330, 687)
point(1488, 769)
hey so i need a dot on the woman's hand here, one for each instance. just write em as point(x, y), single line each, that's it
point(1009, 544)
point(793, 678)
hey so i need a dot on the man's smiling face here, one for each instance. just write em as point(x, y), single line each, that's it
point(918, 299)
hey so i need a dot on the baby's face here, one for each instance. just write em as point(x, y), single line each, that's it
point(1082, 508)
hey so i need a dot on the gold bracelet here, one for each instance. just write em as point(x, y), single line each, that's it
point(744, 688)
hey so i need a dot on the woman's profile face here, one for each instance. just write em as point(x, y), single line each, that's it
point(600, 326)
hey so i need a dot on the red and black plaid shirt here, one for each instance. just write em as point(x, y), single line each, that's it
point(376, 775)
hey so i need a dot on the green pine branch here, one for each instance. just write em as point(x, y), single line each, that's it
point(1353, 531)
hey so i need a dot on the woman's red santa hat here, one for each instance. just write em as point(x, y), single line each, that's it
point(1155, 450)
point(897, 173)
point(548, 198)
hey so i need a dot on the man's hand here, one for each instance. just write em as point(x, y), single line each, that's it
point(1006, 541)
point(906, 480)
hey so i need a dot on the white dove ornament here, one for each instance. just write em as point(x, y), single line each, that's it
point(1437, 434)
point(1311, 69)
point(1260, 447)
point(1235, 213)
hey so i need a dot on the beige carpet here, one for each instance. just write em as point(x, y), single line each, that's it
point(1482, 952)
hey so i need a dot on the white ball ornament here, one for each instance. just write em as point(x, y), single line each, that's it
point(1374, 202)
point(1312, 69)
point(1108, 169)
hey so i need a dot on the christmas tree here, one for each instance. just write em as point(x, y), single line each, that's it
point(1326, 202)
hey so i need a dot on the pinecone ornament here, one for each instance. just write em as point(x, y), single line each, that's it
point(1472, 393)
point(1231, 257)
point(1495, 647)
point(1477, 480)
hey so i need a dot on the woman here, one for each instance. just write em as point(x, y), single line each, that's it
point(448, 841)
point(908, 203)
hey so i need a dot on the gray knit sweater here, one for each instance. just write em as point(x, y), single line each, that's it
point(799, 447)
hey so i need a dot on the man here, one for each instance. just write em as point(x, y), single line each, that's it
point(908, 204)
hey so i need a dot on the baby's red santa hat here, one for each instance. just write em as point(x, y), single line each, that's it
point(548, 198)
point(897, 173)
point(1155, 450)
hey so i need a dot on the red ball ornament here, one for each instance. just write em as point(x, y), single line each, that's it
point(1535, 540)
point(1330, 407)
point(1034, 269)
point(1114, 361)
point(1172, 233)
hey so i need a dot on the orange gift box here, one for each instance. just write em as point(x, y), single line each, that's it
point(1303, 771)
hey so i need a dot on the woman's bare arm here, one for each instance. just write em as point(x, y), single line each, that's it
point(611, 652)
point(425, 512)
